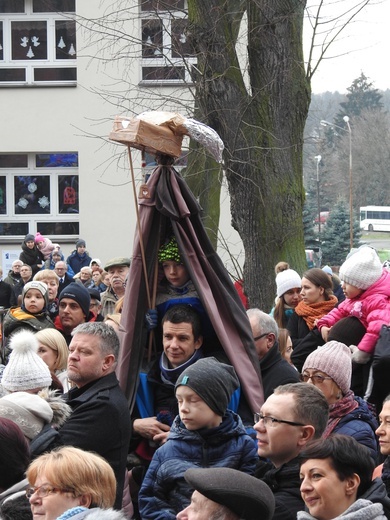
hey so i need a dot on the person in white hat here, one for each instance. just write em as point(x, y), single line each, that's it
point(366, 285)
point(288, 290)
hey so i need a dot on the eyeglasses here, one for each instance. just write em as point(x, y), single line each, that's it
point(272, 422)
point(45, 490)
point(316, 378)
point(261, 336)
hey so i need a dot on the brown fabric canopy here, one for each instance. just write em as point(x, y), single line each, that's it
point(171, 207)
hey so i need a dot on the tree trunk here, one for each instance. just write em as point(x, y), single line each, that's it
point(262, 126)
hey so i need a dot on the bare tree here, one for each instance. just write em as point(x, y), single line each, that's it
point(256, 96)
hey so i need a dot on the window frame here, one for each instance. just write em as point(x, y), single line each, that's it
point(54, 215)
point(167, 60)
point(31, 67)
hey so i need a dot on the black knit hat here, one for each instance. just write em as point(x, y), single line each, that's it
point(79, 294)
point(29, 238)
point(80, 243)
point(248, 497)
point(213, 381)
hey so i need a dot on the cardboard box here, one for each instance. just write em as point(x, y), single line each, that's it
point(146, 136)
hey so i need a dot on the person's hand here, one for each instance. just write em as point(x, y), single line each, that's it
point(324, 333)
point(161, 438)
point(150, 427)
point(361, 357)
point(151, 319)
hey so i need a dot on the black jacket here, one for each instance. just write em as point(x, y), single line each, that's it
point(304, 340)
point(276, 371)
point(100, 422)
point(285, 485)
point(377, 494)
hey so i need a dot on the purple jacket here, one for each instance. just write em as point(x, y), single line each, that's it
point(372, 308)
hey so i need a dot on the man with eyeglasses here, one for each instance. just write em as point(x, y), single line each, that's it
point(275, 370)
point(291, 417)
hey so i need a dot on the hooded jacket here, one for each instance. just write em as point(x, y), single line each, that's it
point(372, 308)
point(164, 491)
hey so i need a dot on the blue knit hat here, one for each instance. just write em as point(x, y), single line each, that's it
point(79, 294)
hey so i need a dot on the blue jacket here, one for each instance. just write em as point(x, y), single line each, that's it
point(164, 491)
point(77, 261)
point(361, 425)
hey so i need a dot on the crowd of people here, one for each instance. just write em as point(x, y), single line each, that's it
point(316, 449)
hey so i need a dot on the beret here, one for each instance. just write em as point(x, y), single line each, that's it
point(119, 260)
point(246, 496)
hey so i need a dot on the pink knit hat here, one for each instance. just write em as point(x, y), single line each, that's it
point(334, 359)
point(38, 238)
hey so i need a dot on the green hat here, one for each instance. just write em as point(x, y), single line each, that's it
point(117, 261)
point(169, 251)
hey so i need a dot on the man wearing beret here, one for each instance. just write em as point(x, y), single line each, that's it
point(117, 269)
point(227, 494)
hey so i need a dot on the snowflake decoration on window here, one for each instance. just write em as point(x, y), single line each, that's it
point(43, 202)
point(32, 187)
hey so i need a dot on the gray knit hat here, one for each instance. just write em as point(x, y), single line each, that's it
point(25, 370)
point(40, 286)
point(287, 280)
point(213, 381)
point(334, 359)
point(248, 497)
point(362, 269)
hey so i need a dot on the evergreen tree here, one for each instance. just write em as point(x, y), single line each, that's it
point(361, 96)
point(336, 235)
point(309, 231)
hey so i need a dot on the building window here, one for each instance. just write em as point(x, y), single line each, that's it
point(37, 42)
point(40, 191)
point(167, 55)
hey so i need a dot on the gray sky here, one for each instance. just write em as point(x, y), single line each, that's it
point(365, 45)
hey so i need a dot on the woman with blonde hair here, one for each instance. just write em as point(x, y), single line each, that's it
point(71, 483)
point(54, 352)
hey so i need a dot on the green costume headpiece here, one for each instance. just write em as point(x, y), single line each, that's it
point(169, 251)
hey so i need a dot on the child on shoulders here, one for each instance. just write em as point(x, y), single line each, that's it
point(366, 285)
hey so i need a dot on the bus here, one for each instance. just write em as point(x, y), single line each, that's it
point(375, 218)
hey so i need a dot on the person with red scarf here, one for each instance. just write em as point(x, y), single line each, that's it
point(329, 368)
point(317, 300)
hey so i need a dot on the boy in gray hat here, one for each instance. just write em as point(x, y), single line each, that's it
point(204, 434)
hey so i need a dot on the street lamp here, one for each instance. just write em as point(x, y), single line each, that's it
point(346, 119)
point(318, 158)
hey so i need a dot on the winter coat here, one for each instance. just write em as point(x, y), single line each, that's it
point(108, 300)
point(100, 422)
point(377, 493)
point(359, 510)
point(16, 318)
point(6, 295)
point(14, 504)
point(31, 257)
point(276, 371)
point(304, 340)
point(372, 308)
point(285, 484)
point(361, 425)
point(164, 491)
point(77, 261)
point(12, 278)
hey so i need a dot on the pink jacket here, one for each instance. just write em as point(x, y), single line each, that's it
point(372, 308)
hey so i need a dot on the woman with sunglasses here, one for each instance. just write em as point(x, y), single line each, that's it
point(71, 483)
point(329, 368)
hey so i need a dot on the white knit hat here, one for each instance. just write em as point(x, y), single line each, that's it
point(362, 269)
point(29, 411)
point(25, 369)
point(286, 280)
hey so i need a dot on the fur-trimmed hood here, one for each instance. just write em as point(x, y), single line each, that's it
point(61, 410)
